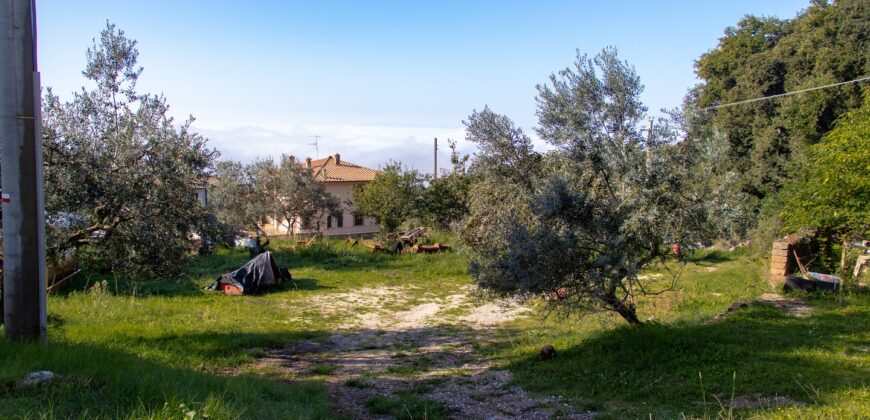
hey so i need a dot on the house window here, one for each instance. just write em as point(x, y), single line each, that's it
point(358, 219)
point(335, 220)
point(306, 223)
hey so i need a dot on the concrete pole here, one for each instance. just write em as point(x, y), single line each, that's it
point(649, 143)
point(21, 143)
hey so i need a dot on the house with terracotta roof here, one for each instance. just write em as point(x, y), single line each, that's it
point(339, 177)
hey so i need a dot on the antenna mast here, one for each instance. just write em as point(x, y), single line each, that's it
point(316, 145)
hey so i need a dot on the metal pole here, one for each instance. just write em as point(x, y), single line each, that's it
point(21, 143)
point(435, 172)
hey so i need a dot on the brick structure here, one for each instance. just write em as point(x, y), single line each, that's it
point(781, 261)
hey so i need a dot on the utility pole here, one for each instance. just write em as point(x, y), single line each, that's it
point(649, 134)
point(435, 154)
point(649, 142)
point(23, 202)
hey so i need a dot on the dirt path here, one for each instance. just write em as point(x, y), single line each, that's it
point(427, 351)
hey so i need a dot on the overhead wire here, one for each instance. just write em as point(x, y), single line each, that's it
point(763, 98)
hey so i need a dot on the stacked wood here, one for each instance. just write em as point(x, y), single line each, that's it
point(430, 249)
point(351, 241)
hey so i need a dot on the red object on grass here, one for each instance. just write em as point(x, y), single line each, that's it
point(229, 289)
point(676, 249)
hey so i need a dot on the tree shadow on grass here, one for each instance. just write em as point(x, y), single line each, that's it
point(191, 286)
point(98, 381)
point(712, 257)
point(659, 365)
point(106, 381)
point(304, 283)
point(126, 286)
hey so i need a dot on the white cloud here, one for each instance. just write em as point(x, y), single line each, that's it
point(370, 146)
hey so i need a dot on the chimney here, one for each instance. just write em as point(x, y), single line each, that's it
point(292, 160)
point(337, 159)
point(308, 162)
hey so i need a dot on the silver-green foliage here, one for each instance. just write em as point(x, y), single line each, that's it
point(119, 171)
point(247, 196)
point(585, 218)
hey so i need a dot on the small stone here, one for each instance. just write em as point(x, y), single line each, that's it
point(34, 378)
point(547, 352)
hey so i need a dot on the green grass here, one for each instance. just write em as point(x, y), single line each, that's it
point(167, 349)
point(142, 349)
point(407, 405)
point(622, 371)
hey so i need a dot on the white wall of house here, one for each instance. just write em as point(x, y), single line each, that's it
point(344, 192)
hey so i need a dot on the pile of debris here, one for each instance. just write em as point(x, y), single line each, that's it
point(430, 249)
point(415, 241)
point(809, 280)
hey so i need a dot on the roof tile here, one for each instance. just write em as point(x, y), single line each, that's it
point(327, 170)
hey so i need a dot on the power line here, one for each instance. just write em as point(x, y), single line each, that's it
point(785, 94)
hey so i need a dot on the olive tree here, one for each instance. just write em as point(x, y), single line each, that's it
point(119, 171)
point(585, 218)
point(246, 197)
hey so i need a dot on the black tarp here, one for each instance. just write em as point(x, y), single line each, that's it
point(259, 273)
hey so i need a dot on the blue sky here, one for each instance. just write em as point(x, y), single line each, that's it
point(378, 79)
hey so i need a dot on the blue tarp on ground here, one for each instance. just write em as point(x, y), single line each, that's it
point(259, 273)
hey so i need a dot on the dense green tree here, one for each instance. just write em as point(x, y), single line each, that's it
point(393, 197)
point(831, 187)
point(827, 43)
point(119, 171)
point(587, 217)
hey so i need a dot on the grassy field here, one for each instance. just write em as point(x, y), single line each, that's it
point(162, 349)
point(681, 363)
point(170, 350)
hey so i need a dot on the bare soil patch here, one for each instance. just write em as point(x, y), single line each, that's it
point(792, 306)
point(428, 349)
